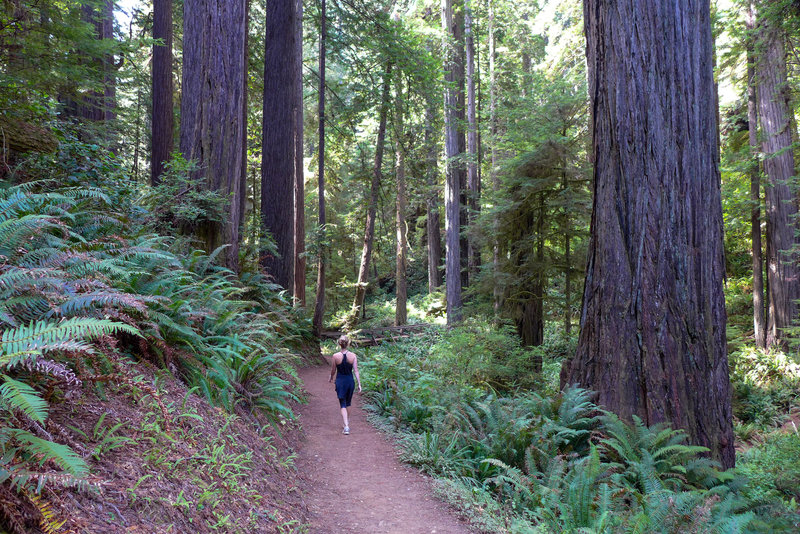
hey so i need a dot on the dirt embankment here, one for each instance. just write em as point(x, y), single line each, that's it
point(198, 470)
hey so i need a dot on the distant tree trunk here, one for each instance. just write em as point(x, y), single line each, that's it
point(774, 111)
point(106, 27)
point(652, 340)
point(213, 125)
point(279, 140)
point(530, 324)
point(401, 315)
point(137, 141)
point(759, 321)
point(377, 173)
point(461, 168)
point(162, 122)
point(497, 288)
point(473, 181)
point(319, 303)
point(432, 205)
point(299, 291)
point(96, 105)
point(567, 255)
point(452, 187)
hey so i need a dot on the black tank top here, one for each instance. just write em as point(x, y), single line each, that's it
point(345, 368)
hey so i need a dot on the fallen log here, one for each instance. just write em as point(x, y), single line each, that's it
point(21, 136)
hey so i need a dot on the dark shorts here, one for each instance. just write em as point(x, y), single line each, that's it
point(345, 385)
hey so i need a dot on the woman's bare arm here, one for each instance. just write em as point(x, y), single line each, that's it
point(333, 368)
point(355, 371)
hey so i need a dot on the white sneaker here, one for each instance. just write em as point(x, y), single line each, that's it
point(346, 430)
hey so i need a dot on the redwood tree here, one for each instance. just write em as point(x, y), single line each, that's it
point(278, 140)
point(652, 340)
point(162, 120)
point(759, 320)
point(473, 179)
point(299, 175)
point(432, 224)
point(452, 187)
point(775, 114)
point(213, 113)
point(319, 301)
point(401, 288)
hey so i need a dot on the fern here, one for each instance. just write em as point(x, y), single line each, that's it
point(39, 337)
point(15, 395)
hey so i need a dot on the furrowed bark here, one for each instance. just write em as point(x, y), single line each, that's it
point(775, 114)
point(162, 123)
point(278, 140)
point(652, 340)
point(213, 126)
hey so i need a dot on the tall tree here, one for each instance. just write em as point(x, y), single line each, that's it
point(279, 140)
point(319, 302)
point(299, 291)
point(375, 185)
point(401, 314)
point(652, 341)
point(432, 224)
point(213, 113)
point(493, 131)
point(162, 122)
point(97, 104)
point(452, 186)
point(759, 321)
point(459, 81)
point(775, 114)
point(473, 179)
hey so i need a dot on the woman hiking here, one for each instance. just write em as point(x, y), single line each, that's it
point(344, 365)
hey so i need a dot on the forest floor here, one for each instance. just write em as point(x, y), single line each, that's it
point(355, 483)
point(201, 470)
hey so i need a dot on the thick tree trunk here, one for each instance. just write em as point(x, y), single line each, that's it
point(279, 141)
point(213, 125)
point(401, 315)
point(433, 226)
point(452, 186)
point(759, 321)
point(377, 174)
point(162, 123)
point(473, 181)
point(652, 340)
point(299, 290)
point(775, 112)
point(319, 303)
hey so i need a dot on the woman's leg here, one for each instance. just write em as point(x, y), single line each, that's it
point(345, 418)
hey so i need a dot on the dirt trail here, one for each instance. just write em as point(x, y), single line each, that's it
point(355, 483)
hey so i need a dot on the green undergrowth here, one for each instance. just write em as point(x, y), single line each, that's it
point(516, 455)
point(766, 383)
point(86, 287)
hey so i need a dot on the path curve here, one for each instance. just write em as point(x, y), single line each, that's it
point(355, 483)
